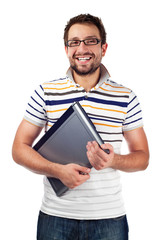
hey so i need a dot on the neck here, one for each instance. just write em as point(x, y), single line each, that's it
point(89, 81)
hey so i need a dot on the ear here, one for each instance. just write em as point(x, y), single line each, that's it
point(66, 50)
point(104, 49)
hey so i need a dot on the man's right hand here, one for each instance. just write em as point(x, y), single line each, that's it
point(73, 175)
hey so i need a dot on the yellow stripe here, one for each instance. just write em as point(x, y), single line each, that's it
point(113, 91)
point(49, 125)
point(111, 110)
point(57, 110)
point(32, 123)
point(56, 83)
point(58, 88)
point(114, 86)
point(106, 125)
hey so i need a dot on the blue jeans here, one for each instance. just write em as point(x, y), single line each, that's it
point(56, 228)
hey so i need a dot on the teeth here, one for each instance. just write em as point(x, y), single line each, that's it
point(83, 59)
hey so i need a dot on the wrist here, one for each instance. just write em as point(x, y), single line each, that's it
point(115, 160)
point(55, 170)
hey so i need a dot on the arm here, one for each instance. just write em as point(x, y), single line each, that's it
point(24, 155)
point(136, 160)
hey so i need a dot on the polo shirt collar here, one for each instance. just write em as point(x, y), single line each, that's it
point(103, 77)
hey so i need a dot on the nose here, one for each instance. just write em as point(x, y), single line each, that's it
point(82, 47)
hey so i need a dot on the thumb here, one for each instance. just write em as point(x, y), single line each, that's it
point(107, 147)
point(84, 170)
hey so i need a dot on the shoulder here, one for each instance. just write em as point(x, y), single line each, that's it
point(121, 91)
point(55, 82)
point(117, 86)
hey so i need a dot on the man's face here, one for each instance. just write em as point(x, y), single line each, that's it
point(85, 59)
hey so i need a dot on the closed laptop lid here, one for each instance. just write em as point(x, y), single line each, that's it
point(65, 142)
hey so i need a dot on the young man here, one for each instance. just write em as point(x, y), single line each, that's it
point(93, 207)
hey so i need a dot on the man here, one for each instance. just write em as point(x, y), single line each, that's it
point(93, 207)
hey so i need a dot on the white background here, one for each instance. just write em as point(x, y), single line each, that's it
point(32, 51)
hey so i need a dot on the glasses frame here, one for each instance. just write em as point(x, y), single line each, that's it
point(84, 41)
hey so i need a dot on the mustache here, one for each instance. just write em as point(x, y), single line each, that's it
point(83, 55)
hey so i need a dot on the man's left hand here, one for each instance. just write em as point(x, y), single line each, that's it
point(97, 157)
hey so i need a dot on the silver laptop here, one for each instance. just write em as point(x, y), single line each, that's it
point(65, 142)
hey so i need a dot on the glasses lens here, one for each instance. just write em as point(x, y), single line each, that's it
point(73, 43)
point(92, 41)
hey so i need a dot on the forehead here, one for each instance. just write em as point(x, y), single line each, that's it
point(82, 31)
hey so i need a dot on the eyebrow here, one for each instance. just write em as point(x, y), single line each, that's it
point(77, 38)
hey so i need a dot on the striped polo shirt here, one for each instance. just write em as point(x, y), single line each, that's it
point(113, 109)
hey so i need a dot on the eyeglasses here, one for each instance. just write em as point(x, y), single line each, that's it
point(87, 42)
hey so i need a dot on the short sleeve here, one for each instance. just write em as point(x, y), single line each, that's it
point(35, 110)
point(133, 117)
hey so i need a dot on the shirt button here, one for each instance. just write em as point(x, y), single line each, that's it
point(86, 97)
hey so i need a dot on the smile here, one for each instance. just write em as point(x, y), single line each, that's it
point(83, 59)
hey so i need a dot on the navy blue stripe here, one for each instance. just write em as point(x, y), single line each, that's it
point(133, 107)
point(132, 121)
point(52, 122)
point(115, 103)
point(132, 100)
point(35, 116)
point(35, 108)
point(39, 95)
point(134, 114)
point(58, 102)
point(36, 102)
point(41, 88)
point(71, 100)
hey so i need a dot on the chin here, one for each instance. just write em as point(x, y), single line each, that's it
point(84, 72)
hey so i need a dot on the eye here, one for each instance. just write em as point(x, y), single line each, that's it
point(73, 43)
point(91, 41)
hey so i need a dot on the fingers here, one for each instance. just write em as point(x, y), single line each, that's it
point(81, 176)
point(107, 146)
point(74, 175)
point(97, 155)
point(82, 169)
point(94, 155)
point(94, 150)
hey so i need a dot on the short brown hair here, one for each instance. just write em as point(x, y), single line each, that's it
point(86, 18)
